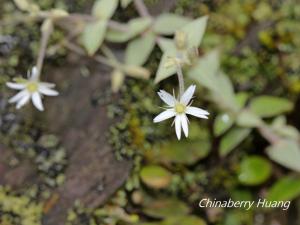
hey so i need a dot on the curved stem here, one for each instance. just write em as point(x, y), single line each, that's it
point(141, 8)
point(180, 80)
point(43, 47)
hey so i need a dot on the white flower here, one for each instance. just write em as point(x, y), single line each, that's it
point(31, 88)
point(178, 108)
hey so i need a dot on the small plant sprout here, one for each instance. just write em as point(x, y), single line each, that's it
point(178, 108)
point(31, 88)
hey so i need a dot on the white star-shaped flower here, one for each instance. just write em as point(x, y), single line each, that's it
point(31, 88)
point(178, 108)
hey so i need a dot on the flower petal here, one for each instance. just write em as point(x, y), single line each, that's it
point(194, 111)
point(164, 115)
point(37, 101)
point(23, 101)
point(15, 86)
point(178, 126)
point(34, 73)
point(167, 98)
point(47, 91)
point(48, 85)
point(187, 95)
point(184, 124)
point(18, 96)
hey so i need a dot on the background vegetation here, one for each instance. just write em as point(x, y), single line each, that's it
point(247, 77)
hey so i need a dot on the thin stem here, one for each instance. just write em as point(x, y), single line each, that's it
point(97, 58)
point(42, 52)
point(141, 8)
point(180, 80)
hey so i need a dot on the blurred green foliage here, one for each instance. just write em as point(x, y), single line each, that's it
point(249, 148)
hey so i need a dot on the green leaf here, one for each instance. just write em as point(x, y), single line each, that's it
point(241, 99)
point(184, 220)
point(254, 170)
point(177, 151)
point(286, 153)
point(155, 176)
point(139, 50)
point(163, 72)
point(285, 189)
point(206, 69)
point(247, 118)
point(280, 127)
point(168, 207)
point(167, 45)
point(206, 72)
point(268, 106)
point(104, 9)
point(222, 123)
point(135, 27)
point(232, 139)
point(195, 31)
point(168, 23)
point(93, 35)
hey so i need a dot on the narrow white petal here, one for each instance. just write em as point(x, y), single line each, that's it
point(187, 95)
point(23, 101)
point(167, 98)
point(178, 126)
point(18, 96)
point(194, 111)
point(47, 91)
point(15, 86)
point(34, 73)
point(48, 85)
point(164, 115)
point(37, 101)
point(184, 124)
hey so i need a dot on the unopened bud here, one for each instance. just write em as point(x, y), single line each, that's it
point(136, 71)
point(58, 13)
point(117, 79)
point(180, 40)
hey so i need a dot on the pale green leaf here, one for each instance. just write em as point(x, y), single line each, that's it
point(286, 153)
point(247, 118)
point(163, 71)
point(280, 127)
point(135, 27)
point(232, 139)
point(254, 170)
point(168, 23)
point(206, 72)
point(93, 36)
point(167, 45)
point(222, 123)
point(285, 189)
point(268, 106)
point(195, 31)
point(139, 50)
point(104, 9)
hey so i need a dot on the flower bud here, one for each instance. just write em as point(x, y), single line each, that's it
point(136, 71)
point(180, 40)
point(117, 79)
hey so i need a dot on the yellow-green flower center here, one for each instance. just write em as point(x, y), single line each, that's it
point(32, 87)
point(180, 108)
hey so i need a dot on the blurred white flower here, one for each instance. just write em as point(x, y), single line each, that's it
point(178, 108)
point(31, 88)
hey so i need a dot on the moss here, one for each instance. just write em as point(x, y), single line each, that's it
point(18, 209)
